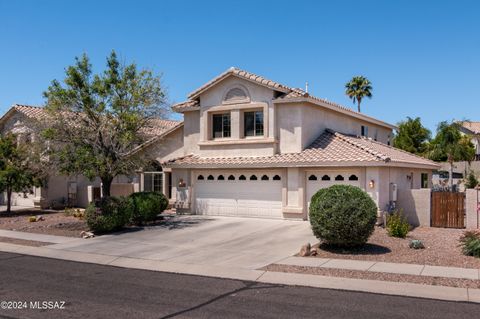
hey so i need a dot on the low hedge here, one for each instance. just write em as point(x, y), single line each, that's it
point(342, 215)
point(147, 206)
point(109, 214)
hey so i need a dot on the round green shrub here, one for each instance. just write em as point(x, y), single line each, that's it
point(342, 215)
point(109, 214)
point(147, 206)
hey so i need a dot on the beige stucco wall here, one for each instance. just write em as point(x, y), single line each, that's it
point(299, 124)
point(168, 147)
point(415, 205)
point(211, 101)
point(191, 129)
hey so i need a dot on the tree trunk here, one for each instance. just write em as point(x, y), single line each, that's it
point(358, 104)
point(9, 200)
point(450, 176)
point(106, 184)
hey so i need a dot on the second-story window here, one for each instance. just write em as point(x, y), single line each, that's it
point(221, 125)
point(253, 123)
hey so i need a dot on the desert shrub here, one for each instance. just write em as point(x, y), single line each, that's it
point(109, 214)
point(416, 244)
point(397, 225)
point(147, 206)
point(342, 215)
point(470, 243)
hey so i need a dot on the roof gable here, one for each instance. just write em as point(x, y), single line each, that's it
point(257, 79)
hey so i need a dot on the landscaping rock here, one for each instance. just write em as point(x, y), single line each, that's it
point(314, 251)
point(305, 250)
point(86, 234)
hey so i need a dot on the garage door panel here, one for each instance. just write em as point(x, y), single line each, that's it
point(239, 197)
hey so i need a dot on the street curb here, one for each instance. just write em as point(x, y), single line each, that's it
point(282, 278)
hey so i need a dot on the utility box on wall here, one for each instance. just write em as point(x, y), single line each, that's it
point(393, 192)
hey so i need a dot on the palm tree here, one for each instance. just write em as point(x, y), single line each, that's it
point(358, 88)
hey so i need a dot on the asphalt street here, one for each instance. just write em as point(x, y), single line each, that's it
point(42, 285)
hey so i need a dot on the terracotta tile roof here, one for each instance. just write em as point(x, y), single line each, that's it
point(330, 149)
point(473, 127)
point(34, 112)
point(186, 106)
point(157, 127)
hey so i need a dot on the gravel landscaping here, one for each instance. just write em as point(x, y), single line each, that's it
point(441, 249)
point(426, 280)
point(53, 223)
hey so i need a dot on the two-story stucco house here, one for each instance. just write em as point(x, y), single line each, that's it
point(254, 147)
point(251, 147)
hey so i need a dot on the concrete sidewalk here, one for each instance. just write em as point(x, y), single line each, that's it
point(393, 268)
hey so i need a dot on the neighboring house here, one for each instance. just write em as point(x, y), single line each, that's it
point(254, 147)
point(22, 120)
point(472, 129)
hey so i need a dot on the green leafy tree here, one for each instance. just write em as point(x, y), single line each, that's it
point(358, 88)
point(19, 167)
point(412, 136)
point(451, 145)
point(96, 120)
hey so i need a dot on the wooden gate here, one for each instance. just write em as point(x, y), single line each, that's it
point(448, 210)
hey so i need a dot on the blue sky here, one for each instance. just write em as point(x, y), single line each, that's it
point(423, 57)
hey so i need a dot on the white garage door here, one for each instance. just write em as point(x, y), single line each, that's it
point(239, 194)
point(319, 180)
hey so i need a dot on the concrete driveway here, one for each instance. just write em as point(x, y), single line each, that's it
point(218, 241)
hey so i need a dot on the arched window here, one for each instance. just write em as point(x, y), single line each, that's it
point(276, 178)
point(236, 95)
point(253, 178)
point(265, 178)
point(220, 178)
point(242, 177)
point(200, 178)
point(325, 178)
point(231, 178)
point(312, 178)
point(339, 178)
point(210, 177)
point(353, 178)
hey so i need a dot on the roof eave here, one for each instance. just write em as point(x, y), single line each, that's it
point(306, 164)
point(185, 109)
point(195, 94)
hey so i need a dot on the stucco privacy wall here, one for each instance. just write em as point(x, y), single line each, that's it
point(471, 206)
point(416, 205)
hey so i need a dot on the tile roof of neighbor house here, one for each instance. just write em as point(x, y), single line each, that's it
point(290, 94)
point(157, 127)
point(473, 127)
point(330, 149)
